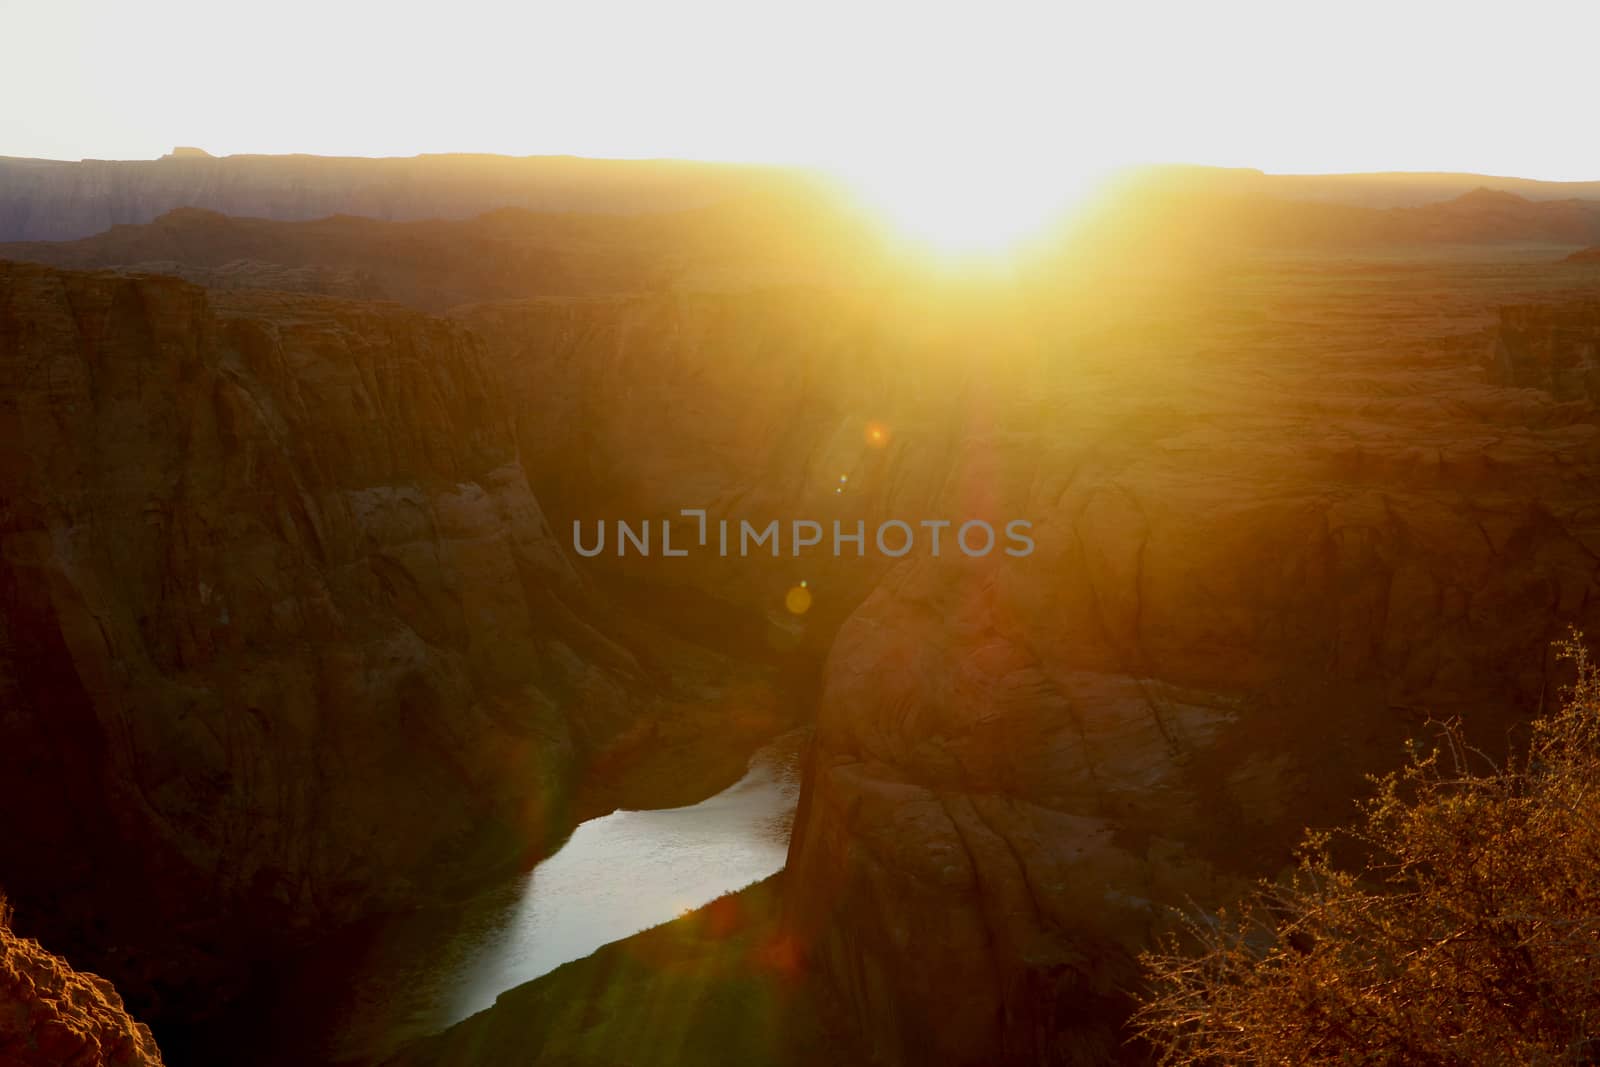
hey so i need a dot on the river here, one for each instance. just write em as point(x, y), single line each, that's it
point(614, 876)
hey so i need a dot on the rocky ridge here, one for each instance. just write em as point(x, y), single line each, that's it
point(436, 264)
point(51, 1014)
point(1261, 566)
point(286, 637)
point(55, 200)
point(1554, 348)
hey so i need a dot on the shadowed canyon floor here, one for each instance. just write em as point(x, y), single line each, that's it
point(294, 635)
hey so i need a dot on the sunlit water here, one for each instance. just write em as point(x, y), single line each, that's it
point(616, 875)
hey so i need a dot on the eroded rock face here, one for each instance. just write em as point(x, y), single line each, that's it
point(287, 631)
point(1266, 553)
point(51, 1014)
point(284, 636)
point(754, 406)
point(1549, 347)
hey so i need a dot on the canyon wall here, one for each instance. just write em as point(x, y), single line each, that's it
point(1553, 348)
point(285, 637)
point(747, 405)
point(1267, 555)
point(293, 630)
point(288, 639)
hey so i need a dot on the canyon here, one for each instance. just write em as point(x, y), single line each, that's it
point(294, 634)
point(1264, 565)
point(222, 524)
point(1269, 556)
point(288, 640)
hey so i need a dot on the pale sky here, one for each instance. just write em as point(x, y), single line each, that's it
point(1503, 88)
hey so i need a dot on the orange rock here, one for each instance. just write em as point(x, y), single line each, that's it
point(52, 1015)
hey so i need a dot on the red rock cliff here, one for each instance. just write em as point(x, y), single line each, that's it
point(284, 636)
point(1266, 552)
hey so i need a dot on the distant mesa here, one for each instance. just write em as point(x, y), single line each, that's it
point(1585, 255)
point(1483, 196)
point(53, 200)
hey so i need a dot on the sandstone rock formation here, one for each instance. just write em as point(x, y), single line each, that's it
point(1553, 348)
point(52, 1015)
point(291, 628)
point(285, 638)
point(748, 405)
point(1281, 520)
point(255, 274)
point(1266, 553)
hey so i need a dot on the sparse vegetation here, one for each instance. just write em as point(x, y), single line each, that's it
point(1471, 937)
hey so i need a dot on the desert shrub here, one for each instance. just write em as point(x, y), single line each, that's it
point(1472, 935)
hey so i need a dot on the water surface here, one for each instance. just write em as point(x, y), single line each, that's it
point(616, 875)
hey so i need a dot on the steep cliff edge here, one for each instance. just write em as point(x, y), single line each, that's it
point(1266, 553)
point(285, 638)
point(51, 1014)
point(1555, 348)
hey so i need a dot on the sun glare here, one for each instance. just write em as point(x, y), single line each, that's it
point(958, 208)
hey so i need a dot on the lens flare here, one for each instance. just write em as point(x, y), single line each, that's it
point(798, 600)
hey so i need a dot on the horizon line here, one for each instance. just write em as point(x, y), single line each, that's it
point(201, 154)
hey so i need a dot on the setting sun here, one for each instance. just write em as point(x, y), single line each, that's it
point(961, 206)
